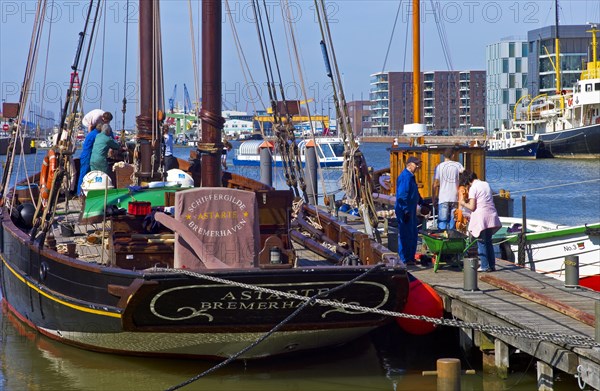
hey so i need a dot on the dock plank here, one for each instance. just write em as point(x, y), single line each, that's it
point(494, 306)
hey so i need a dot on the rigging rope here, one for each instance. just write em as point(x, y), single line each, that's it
point(194, 64)
point(16, 132)
point(44, 214)
point(244, 67)
point(554, 186)
point(391, 37)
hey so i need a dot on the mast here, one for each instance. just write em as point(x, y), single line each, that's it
point(557, 51)
point(151, 94)
point(561, 99)
point(416, 22)
point(416, 128)
point(593, 66)
point(210, 114)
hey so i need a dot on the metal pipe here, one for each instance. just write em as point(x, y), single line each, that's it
point(522, 235)
point(597, 328)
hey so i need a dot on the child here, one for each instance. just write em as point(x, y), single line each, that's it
point(461, 215)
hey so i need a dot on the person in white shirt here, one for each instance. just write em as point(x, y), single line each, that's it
point(93, 118)
point(445, 189)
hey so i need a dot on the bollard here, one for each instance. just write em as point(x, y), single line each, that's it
point(597, 308)
point(448, 374)
point(470, 274)
point(71, 250)
point(571, 271)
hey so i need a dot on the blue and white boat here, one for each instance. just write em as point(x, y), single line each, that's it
point(330, 152)
point(514, 143)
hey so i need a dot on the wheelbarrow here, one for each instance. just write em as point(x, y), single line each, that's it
point(446, 242)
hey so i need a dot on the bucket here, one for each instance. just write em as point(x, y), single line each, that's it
point(67, 229)
point(139, 208)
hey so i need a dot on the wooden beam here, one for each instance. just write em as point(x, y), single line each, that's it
point(539, 298)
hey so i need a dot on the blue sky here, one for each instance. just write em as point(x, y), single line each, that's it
point(361, 32)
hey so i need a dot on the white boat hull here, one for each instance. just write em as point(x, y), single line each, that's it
point(546, 250)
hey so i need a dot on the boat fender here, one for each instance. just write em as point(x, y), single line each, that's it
point(422, 300)
point(22, 215)
point(47, 174)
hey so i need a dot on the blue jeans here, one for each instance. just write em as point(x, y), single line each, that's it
point(446, 215)
point(485, 250)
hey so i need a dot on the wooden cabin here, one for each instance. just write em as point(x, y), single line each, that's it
point(470, 156)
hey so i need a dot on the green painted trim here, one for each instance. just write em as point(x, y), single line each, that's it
point(554, 233)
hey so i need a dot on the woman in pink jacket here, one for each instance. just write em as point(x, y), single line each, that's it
point(484, 221)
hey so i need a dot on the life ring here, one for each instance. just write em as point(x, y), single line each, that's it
point(47, 174)
point(570, 102)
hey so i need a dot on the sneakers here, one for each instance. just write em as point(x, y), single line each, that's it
point(489, 269)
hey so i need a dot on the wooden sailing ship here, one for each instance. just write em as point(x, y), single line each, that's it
point(205, 280)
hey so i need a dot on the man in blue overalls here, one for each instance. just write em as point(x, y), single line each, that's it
point(407, 199)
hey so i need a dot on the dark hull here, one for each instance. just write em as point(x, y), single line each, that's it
point(577, 143)
point(528, 151)
point(26, 146)
point(172, 314)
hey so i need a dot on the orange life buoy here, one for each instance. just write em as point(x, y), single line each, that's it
point(47, 174)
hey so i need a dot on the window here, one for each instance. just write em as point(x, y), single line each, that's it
point(597, 87)
point(505, 96)
point(511, 49)
point(518, 65)
point(511, 81)
point(525, 50)
point(505, 65)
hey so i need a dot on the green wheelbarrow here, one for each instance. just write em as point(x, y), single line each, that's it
point(445, 242)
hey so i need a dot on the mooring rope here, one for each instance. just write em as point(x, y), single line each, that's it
point(570, 339)
point(553, 186)
point(307, 302)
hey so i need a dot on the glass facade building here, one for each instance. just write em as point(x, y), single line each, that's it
point(574, 53)
point(507, 63)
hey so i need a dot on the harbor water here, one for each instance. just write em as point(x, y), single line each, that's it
point(562, 191)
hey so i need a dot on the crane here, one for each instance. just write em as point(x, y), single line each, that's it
point(187, 103)
point(172, 99)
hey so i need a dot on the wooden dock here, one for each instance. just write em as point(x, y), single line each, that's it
point(530, 310)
